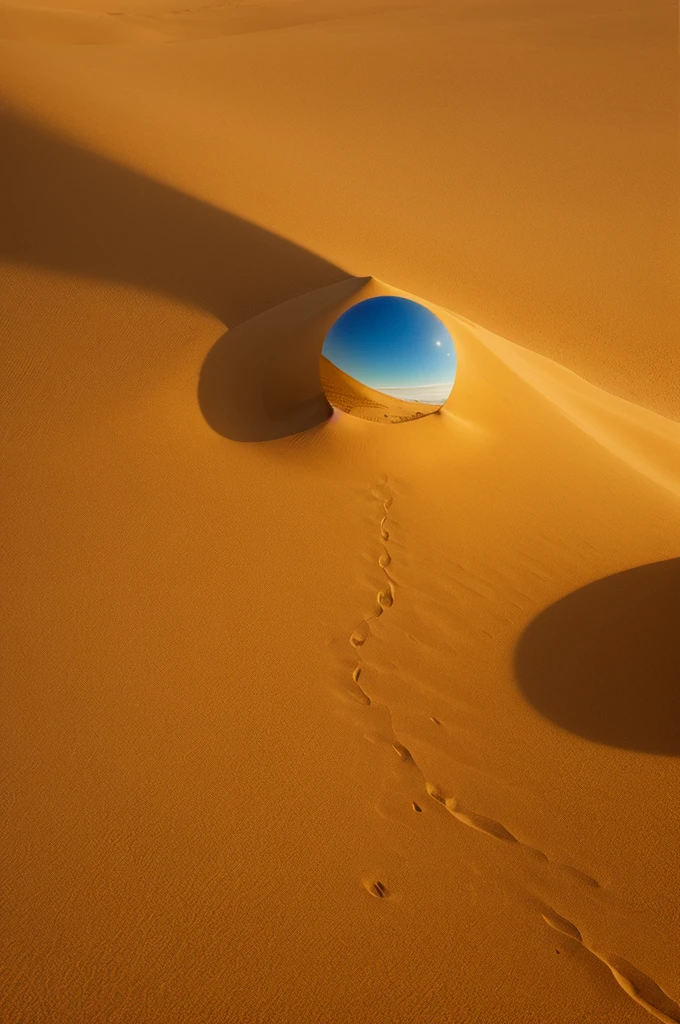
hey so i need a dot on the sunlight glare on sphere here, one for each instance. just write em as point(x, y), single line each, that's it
point(379, 362)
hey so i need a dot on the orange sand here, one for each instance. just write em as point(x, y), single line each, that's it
point(308, 720)
point(350, 395)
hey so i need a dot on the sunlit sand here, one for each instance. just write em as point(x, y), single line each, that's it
point(310, 719)
point(350, 395)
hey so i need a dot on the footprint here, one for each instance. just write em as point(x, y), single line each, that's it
point(482, 824)
point(436, 793)
point(357, 691)
point(634, 983)
point(498, 831)
point(385, 598)
point(384, 560)
point(560, 924)
point(642, 989)
point(377, 889)
point(580, 876)
point(476, 821)
point(404, 753)
point(360, 635)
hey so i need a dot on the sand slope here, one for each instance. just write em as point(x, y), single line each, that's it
point(346, 393)
point(306, 719)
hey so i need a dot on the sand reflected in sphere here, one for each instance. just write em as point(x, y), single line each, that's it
point(388, 359)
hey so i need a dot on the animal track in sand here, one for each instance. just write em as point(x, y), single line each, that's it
point(358, 638)
point(637, 985)
point(633, 982)
point(478, 822)
point(580, 876)
point(385, 596)
point(357, 690)
point(377, 889)
point(404, 753)
point(499, 831)
point(360, 634)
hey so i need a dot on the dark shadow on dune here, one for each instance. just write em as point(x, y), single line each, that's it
point(262, 379)
point(234, 386)
point(69, 210)
point(604, 662)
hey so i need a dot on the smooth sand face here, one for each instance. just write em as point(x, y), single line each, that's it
point(307, 720)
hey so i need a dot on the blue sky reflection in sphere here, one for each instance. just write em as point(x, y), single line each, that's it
point(395, 348)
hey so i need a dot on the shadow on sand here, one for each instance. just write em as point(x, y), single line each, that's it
point(69, 210)
point(241, 398)
point(604, 662)
point(262, 379)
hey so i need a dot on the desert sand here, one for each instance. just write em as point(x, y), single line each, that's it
point(308, 719)
point(346, 393)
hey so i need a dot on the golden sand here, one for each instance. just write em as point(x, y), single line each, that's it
point(350, 395)
point(306, 719)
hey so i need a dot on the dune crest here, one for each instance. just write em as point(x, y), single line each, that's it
point(306, 721)
point(350, 395)
point(642, 439)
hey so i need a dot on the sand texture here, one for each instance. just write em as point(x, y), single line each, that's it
point(350, 395)
point(308, 719)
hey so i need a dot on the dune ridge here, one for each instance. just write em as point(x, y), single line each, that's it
point(493, 383)
point(306, 719)
point(642, 439)
point(350, 395)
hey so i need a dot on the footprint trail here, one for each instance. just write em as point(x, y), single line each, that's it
point(633, 982)
point(636, 984)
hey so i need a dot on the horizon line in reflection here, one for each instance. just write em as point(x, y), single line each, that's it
point(429, 394)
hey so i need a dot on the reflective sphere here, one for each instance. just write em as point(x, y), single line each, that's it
point(389, 360)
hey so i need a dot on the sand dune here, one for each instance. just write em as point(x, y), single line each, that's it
point(346, 393)
point(309, 719)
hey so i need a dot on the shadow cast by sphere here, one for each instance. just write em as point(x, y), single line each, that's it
point(69, 210)
point(237, 391)
point(262, 379)
point(604, 662)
